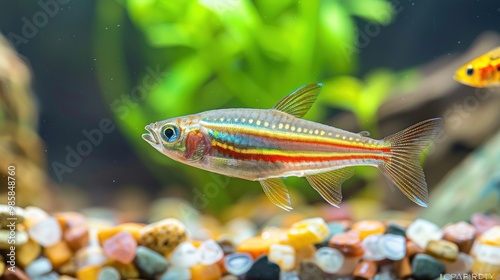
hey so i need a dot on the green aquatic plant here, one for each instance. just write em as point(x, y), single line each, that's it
point(196, 55)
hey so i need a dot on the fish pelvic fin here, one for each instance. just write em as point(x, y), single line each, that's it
point(403, 168)
point(300, 101)
point(329, 184)
point(277, 192)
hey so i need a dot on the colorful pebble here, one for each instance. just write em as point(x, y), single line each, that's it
point(46, 232)
point(38, 267)
point(422, 231)
point(176, 273)
point(108, 273)
point(238, 263)
point(392, 246)
point(329, 260)
point(366, 228)
point(263, 269)
point(309, 231)
point(462, 234)
point(210, 252)
point(442, 249)
point(149, 261)
point(185, 255)
point(283, 255)
point(163, 236)
point(121, 247)
point(426, 267)
point(58, 254)
point(365, 270)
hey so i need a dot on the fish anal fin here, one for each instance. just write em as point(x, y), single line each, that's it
point(300, 101)
point(277, 192)
point(403, 167)
point(329, 184)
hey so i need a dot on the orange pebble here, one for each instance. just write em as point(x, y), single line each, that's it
point(366, 228)
point(132, 228)
point(403, 268)
point(255, 246)
point(348, 243)
point(58, 254)
point(77, 236)
point(412, 249)
point(106, 233)
point(206, 272)
point(88, 272)
point(365, 270)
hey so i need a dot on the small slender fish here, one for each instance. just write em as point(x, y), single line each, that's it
point(267, 144)
point(483, 71)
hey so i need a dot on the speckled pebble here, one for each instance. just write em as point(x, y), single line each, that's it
point(163, 236)
point(149, 261)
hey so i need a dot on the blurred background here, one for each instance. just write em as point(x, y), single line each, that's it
point(89, 75)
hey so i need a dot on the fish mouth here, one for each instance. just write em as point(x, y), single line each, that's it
point(151, 136)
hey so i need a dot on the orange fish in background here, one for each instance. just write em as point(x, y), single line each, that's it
point(483, 71)
point(267, 144)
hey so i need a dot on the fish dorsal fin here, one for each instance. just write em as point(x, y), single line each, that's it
point(364, 133)
point(329, 184)
point(300, 101)
point(277, 192)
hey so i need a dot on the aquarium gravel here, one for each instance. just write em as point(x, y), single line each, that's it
point(69, 245)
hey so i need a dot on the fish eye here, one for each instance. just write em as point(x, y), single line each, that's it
point(470, 70)
point(170, 133)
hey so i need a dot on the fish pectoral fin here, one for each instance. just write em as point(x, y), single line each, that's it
point(364, 133)
point(300, 101)
point(329, 184)
point(277, 192)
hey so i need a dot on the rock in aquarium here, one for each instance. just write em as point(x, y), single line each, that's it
point(163, 236)
point(176, 273)
point(185, 255)
point(366, 228)
point(426, 267)
point(108, 273)
point(309, 231)
point(121, 247)
point(283, 255)
point(392, 246)
point(371, 247)
point(422, 231)
point(39, 267)
point(149, 261)
point(442, 249)
point(210, 252)
point(238, 263)
point(46, 232)
point(309, 270)
point(263, 269)
point(329, 260)
point(462, 234)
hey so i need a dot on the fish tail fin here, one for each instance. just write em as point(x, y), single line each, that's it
point(403, 167)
